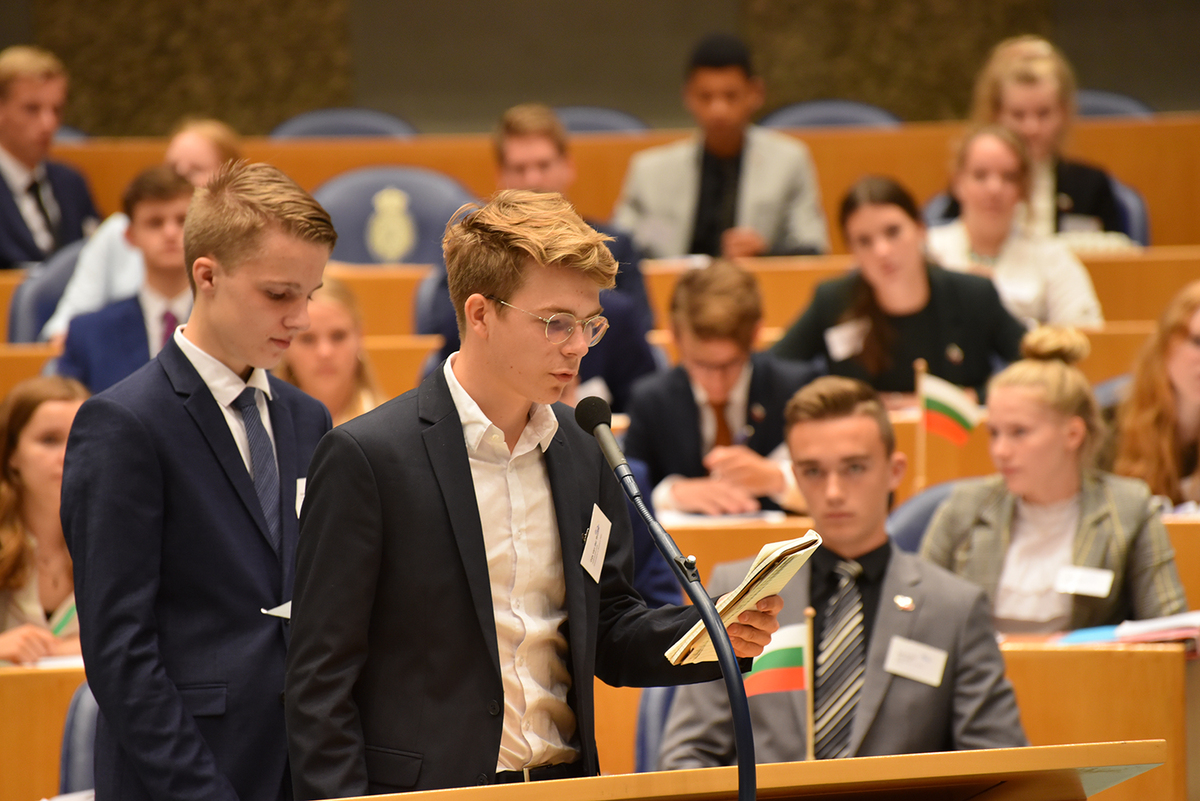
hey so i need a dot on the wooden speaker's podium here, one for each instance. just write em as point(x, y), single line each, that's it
point(1041, 773)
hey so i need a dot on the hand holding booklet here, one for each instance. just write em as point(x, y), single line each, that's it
point(773, 568)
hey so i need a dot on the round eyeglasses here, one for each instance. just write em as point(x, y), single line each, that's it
point(560, 326)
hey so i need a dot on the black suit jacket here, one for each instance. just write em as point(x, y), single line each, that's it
point(664, 421)
point(393, 679)
point(172, 565)
point(1079, 189)
point(975, 334)
point(74, 203)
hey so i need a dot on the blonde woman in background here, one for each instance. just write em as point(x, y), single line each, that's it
point(327, 361)
point(111, 269)
point(1159, 428)
point(37, 594)
point(1054, 543)
point(1039, 279)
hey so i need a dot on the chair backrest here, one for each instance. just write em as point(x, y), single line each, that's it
point(36, 298)
point(76, 771)
point(68, 133)
point(830, 113)
point(1099, 103)
point(597, 119)
point(1133, 211)
point(391, 214)
point(907, 522)
point(342, 122)
point(653, 708)
point(936, 211)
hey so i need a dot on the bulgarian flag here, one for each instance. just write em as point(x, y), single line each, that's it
point(948, 410)
point(781, 666)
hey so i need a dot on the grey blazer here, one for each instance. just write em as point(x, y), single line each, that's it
point(1118, 530)
point(973, 708)
point(778, 195)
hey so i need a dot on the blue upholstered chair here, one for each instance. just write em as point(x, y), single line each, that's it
point(67, 133)
point(391, 214)
point(342, 122)
point(75, 770)
point(597, 119)
point(830, 113)
point(1133, 211)
point(653, 708)
point(907, 523)
point(37, 296)
point(1099, 103)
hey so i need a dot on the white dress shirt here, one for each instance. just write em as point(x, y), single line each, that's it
point(108, 269)
point(1043, 200)
point(18, 176)
point(524, 555)
point(736, 405)
point(155, 306)
point(225, 386)
point(1042, 544)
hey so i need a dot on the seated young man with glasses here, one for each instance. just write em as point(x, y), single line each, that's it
point(446, 623)
point(711, 430)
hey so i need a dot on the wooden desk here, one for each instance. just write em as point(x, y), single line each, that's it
point(9, 280)
point(1138, 285)
point(33, 709)
point(1160, 157)
point(397, 360)
point(385, 292)
point(1184, 531)
point(19, 362)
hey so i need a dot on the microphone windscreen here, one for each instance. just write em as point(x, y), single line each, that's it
point(591, 412)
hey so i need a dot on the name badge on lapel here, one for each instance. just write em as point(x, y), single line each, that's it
point(595, 543)
point(301, 485)
point(1095, 582)
point(915, 660)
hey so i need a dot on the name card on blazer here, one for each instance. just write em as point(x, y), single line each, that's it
point(846, 339)
point(595, 543)
point(1095, 582)
point(915, 660)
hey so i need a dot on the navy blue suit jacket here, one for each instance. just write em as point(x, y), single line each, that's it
point(106, 345)
point(664, 421)
point(74, 202)
point(172, 565)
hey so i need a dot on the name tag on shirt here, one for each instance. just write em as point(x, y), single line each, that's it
point(915, 660)
point(846, 339)
point(595, 543)
point(301, 485)
point(1095, 582)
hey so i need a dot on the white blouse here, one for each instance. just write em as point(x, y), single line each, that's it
point(1042, 544)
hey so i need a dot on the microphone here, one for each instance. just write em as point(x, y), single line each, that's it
point(595, 417)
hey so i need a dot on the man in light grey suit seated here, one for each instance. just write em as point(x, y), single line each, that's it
point(734, 189)
point(905, 658)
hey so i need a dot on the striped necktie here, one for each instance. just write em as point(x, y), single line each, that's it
point(262, 459)
point(840, 663)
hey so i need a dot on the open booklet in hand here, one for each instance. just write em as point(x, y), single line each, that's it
point(774, 567)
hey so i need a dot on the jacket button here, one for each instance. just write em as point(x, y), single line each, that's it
point(481, 779)
point(493, 709)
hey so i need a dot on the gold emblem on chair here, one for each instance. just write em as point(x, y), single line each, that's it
point(391, 231)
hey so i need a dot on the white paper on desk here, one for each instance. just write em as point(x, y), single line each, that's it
point(1183, 620)
point(671, 519)
point(56, 662)
point(768, 574)
point(283, 610)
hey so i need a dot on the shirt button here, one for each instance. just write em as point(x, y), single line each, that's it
point(493, 709)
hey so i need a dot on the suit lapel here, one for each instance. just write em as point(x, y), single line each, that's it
point(203, 408)
point(16, 225)
point(564, 489)
point(687, 195)
point(797, 595)
point(1092, 539)
point(754, 163)
point(688, 424)
point(987, 558)
point(757, 401)
point(901, 579)
point(447, 452)
point(285, 454)
point(130, 342)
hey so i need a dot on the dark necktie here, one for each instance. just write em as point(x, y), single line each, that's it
point(840, 664)
point(170, 323)
point(724, 435)
point(35, 191)
point(262, 458)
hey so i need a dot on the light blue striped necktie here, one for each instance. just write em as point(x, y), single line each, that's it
point(262, 460)
point(840, 665)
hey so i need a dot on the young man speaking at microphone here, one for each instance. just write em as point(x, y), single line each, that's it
point(446, 625)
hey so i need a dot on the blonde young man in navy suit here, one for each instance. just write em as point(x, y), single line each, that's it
point(180, 494)
point(843, 451)
point(447, 626)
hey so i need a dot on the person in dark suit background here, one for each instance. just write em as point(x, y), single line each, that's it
point(447, 624)
point(532, 152)
point(43, 205)
point(711, 430)
point(180, 491)
point(846, 464)
point(104, 346)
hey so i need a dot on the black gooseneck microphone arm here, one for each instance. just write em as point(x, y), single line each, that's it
point(595, 417)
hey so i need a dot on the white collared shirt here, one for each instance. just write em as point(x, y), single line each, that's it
point(1043, 202)
point(155, 306)
point(524, 556)
point(735, 417)
point(18, 176)
point(225, 386)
